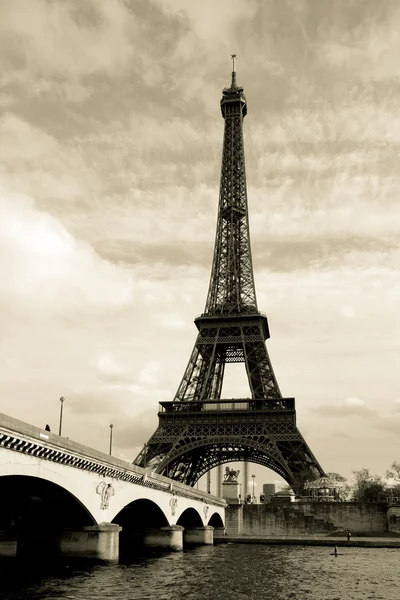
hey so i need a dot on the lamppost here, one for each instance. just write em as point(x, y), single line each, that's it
point(253, 477)
point(61, 415)
point(111, 429)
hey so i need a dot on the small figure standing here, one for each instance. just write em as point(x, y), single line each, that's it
point(335, 551)
point(348, 535)
point(47, 428)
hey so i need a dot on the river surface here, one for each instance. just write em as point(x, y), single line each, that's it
point(224, 572)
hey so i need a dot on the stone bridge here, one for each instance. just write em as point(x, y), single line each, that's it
point(59, 497)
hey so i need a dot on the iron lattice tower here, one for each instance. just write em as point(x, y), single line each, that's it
point(199, 430)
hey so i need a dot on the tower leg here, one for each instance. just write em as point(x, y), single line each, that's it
point(209, 482)
point(245, 481)
point(219, 481)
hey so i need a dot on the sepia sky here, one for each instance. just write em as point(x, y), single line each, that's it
point(110, 150)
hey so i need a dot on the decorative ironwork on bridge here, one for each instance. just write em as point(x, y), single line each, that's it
point(199, 430)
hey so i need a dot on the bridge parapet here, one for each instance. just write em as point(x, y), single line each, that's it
point(25, 438)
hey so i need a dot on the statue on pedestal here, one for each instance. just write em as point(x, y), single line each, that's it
point(231, 475)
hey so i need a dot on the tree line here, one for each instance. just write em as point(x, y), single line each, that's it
point(373, 488)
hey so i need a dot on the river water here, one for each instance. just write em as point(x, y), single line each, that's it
point(224, 572)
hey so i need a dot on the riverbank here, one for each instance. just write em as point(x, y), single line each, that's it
point(312, 540)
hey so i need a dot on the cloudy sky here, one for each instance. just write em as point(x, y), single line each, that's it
point(110, 149)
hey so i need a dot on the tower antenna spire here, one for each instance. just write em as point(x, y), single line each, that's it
point(233, 56)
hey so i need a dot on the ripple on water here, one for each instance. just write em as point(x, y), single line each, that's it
point(229, 572)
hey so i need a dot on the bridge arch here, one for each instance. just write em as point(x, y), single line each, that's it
point(139, 515)
point(216, 521)
point(69, 480)
point(35, 504)
point(137, 519)
point(190, 518)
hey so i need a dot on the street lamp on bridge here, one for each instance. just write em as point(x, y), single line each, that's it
point(61, 415)
point(111, 434)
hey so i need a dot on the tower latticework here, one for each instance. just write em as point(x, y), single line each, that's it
point(199, 430)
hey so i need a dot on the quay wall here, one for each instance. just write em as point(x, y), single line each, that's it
point(355, 516)
point(394, 519)
point(306, 517)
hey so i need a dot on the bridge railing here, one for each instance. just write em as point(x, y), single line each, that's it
point(22, 437)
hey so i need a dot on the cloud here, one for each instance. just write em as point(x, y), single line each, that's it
point(23, 141)
point(354, 402)
point(110, 368)
point(89, 413)
point(64, 91)
point(46, 267)
point(150, 372)
point(347, 311)
point(71, 38)
point(349, 406)
point(368, 49)
point(5, 101)
point(342, 435)
point(130, 436)
point(170, 320)
point(225, 15)
point(390, 424)
point(343, 124)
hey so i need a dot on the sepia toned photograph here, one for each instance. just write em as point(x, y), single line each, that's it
point(199, 299)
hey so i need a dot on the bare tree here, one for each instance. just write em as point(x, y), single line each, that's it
point(394, 472)
point(368, 488)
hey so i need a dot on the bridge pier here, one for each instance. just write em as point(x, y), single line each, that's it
point(169, 538)
point(199, 536)
point(96, 542)
point(219, 532)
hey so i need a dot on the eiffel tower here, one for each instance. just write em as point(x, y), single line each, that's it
point(199, 430)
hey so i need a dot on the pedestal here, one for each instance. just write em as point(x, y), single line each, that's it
point(169, 538)
point(234, 520)
point(231, 492)
point(199, 536)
